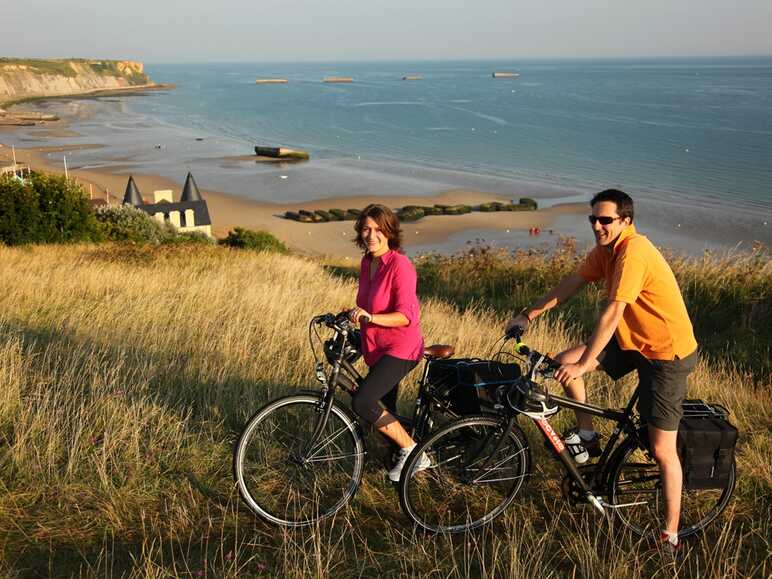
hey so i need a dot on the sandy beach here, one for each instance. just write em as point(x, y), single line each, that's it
point(229, 210)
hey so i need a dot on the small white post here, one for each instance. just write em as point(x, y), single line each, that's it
point(65, 166)
point(90, 191)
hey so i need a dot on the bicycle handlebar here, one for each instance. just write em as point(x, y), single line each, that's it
point(340, 322)
point(540, 363)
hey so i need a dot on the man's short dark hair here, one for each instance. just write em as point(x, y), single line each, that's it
point(622, 200)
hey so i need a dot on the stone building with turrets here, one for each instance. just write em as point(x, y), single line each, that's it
point(190, 213)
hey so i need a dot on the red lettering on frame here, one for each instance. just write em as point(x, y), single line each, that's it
point(553, 436)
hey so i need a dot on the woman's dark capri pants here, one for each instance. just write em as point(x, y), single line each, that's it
point(381, 384)
point(661, 383)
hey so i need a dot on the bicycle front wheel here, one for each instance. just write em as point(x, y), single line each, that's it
point(636, 489)
point(477, 468)
point(284, 476)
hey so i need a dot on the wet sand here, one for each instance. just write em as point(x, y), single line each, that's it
point(332, 239)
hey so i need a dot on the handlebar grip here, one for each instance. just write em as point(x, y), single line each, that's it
point(514, 333)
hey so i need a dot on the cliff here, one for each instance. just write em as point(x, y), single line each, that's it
point(30, 78)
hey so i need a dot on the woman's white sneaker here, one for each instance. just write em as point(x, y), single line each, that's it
point(422, 464)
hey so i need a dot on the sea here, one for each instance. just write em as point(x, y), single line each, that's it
point(689, 139)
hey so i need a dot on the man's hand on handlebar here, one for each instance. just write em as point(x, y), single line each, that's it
point(567, 373)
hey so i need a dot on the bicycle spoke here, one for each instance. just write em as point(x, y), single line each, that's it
point(638, 498)
point(457, 492)
point(324, 442)
point(281, 484)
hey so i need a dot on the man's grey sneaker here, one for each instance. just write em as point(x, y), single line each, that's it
point(581, 450)
point(422, 464)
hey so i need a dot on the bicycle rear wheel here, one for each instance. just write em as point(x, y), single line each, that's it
point(472, 478)
point(635, 479)
point(287, 480)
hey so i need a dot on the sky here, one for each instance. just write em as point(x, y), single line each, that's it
point(361, 30)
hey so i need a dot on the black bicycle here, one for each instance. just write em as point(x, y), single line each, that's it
point(300, 457)
point(480, 462)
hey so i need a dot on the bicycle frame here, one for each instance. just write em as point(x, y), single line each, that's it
point(624, 425)
point(594, 487)
point(343, 374)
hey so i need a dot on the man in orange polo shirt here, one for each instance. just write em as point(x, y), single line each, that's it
point(644, 327)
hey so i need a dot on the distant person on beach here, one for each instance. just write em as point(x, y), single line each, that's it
point(389, 318)
point(644, 327)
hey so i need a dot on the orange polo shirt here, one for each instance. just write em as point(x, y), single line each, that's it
point(655, 321)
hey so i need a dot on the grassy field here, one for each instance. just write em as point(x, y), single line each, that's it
point(126, 373)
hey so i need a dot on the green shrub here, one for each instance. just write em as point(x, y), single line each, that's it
point(20, 216)
point(67, 212)
point(45, 209)
point(258, 240)
point(127, 223)
point(192, 238)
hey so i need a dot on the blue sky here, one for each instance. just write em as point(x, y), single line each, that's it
point(307, 30)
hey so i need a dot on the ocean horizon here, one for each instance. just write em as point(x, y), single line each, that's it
point(689, 138)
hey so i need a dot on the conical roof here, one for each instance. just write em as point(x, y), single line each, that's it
point(190, 191)
point(132, 196)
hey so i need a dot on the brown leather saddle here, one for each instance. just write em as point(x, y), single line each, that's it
point(439, 352)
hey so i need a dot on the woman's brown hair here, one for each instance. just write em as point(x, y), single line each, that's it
point(386, 220)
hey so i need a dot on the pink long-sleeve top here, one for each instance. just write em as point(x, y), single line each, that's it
point(392, 289)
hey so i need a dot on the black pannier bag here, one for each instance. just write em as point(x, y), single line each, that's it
point(706, 443)
point(469, 384)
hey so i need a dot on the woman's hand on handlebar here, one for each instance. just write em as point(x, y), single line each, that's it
point(357, 313)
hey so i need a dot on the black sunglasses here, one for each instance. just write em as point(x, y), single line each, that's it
point(604, 220)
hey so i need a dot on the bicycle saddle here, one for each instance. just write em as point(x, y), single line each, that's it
point(439, 352)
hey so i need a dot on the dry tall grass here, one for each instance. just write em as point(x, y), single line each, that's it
point(125, 373)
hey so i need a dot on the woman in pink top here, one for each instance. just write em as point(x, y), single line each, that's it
point(387, 311)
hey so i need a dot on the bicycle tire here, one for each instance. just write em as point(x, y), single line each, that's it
point(453, 495)
point(634, 477)
point(285, 483)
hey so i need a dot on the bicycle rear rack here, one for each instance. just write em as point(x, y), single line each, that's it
point(701, 409)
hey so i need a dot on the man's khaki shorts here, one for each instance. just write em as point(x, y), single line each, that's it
point(661, 383)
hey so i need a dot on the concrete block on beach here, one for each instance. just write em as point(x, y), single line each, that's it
point(323, 215)
point(410, 213)
point(488, 207)
point(282, 153)
point(457, 209)
point(333, 79)
point(271, 81)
